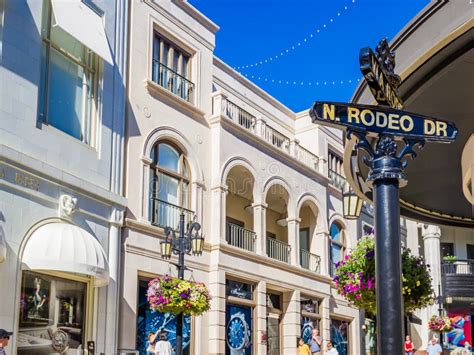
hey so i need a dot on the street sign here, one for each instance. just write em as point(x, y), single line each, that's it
point(379, 120)
point(378, 71)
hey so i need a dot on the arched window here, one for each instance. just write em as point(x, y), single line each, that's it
point(338, 245)
point(169, 185)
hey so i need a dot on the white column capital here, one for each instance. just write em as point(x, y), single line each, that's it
point(261, 205)
point(430, 231)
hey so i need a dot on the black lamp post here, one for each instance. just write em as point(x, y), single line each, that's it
point(187, 242)
point(440, 302)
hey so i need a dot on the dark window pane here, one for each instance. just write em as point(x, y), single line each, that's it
point(239, 289)
point(447, 249)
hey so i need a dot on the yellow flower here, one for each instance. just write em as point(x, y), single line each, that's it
point(418, 283)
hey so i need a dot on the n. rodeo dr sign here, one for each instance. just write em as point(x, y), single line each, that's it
point(383, 121)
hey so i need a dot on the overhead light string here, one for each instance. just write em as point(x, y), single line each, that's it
point(298, 44)
point(302, 82)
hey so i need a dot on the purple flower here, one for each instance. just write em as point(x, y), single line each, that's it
point(183, 295)
point(370, 254)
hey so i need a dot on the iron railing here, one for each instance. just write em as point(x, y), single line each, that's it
point(310, 261)
point(306, 157)
point(172, 81)
point(276, 138)
point(240, 237)
point(165, 214)
point(337, 179)
point(458, 267)
point(278, 250)
point(238, 115)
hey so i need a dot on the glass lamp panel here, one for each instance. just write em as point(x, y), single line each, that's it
point(168, 157)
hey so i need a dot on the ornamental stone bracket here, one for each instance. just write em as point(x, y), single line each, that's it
point(67, 206)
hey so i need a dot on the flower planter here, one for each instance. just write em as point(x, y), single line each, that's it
point(171, 295)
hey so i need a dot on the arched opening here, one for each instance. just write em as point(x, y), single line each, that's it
point(169, 185)
point(277, 198)
point(338, 245)
point(239, 210)
point(309, 250)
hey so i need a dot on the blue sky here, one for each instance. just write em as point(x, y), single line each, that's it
point(254, 30)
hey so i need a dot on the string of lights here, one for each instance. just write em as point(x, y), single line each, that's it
point(298, 44)
point(302, 82)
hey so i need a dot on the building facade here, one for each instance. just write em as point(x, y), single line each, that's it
point(62, 126)
point(264, 182)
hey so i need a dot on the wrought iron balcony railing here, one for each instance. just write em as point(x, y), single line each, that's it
point(458, 267)
point(278, 250)
point(165, 214)
point(240, 237)
point(337, 179)
point(310, 261)
point(238, 115)
point(170, 80)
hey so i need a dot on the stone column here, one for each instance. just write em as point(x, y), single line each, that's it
point(261, 315)
point(294, 240)
point(293, 143)
point(216, 315)
point(146, 188)
point(218, 213)
point(325, 321)
point(431, 239)
point(196, 200)
point(323, 238)
point(260, 124)
point(260, 227)
point(291, 321)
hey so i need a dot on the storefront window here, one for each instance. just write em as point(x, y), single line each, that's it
point(310, 318)
point(52, 315)
point(149, 321)
point(340, 336)
point(238, 330)
point(239, 307)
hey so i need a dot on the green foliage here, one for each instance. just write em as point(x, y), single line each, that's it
point(355, 278)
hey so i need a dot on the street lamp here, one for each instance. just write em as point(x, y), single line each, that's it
point(439, 300)
point(190, 241)
point(352, 204)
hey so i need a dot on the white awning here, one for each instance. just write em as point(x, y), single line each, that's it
point(3, 245)
point(81, 22)
point(65, 247)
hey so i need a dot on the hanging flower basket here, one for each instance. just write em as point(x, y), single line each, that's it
point(171, 295)
point(355, 278)
point(440, 324)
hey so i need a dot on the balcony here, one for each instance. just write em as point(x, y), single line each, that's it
point(175, 83)
point(337, 179)
point(310, 261)
point(278, 250)
point(240, 237)
point(259, 128)
point(165, 214)
point(458, 278)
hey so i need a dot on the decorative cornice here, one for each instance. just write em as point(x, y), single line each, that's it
point(197, 15)
point(265, 260)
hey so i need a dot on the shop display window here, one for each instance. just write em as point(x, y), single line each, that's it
point(340, 335)
point(149, 321)
point(238, 330)
point(310, 317)
point(52, 314)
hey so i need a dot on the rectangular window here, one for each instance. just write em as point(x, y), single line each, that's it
point(239, 317)
point(304, 239)
point(170, 68)
point(340, 336)
point(310, 317)
point(50, 307)
point(446, 249)
point(470, 251)
point(67, 98)
point(149, 321)
point(335, 170)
